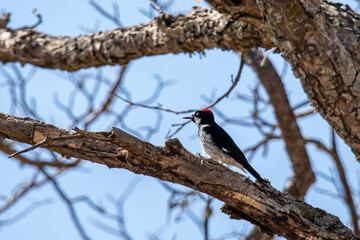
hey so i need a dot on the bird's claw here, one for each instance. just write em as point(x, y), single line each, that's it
point(201, 157)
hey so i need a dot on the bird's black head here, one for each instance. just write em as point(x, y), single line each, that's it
point(203, 116)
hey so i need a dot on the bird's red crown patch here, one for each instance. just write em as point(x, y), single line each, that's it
point(207, 110)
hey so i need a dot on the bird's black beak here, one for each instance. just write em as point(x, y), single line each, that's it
point(189, 117)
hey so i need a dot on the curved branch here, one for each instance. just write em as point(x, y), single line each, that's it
point(275, 212)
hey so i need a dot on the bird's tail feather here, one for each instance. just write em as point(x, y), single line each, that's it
point(253, 172)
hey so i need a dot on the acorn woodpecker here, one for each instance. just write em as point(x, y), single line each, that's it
point(218, 144)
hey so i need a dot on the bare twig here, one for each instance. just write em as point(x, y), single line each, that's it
point(45, 141)
point(121, 230)
point(7, 148)
point(341, 171)
point(115, 17)
point(106, 105)
point(234, 82)
point(305, 113)
point(21, 191)
point(262, 142)
point(348, 195)
point(69, 203)
point(301, 104)
point(168, 135)
point(226, 94)
point(207, 214)
point(161, 108)
point(25, 212)
point(39, 17)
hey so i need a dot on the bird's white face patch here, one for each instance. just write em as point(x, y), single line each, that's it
point(197, 120)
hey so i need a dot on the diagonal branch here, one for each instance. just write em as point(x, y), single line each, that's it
point(320, 41)
point(69, 203)
point(333, 153)
point(302, 176)
point(347, 191)
point(234, 82)
point(273, 211)
point(10, 151)
point(109, 100)
point(43, 142)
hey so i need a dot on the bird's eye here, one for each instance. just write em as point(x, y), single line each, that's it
point(196, 114)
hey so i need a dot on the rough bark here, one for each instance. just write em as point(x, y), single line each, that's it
point(320, 41)
point(318, 38)
point(302, 174)
point(199, 30)
point(275, 212)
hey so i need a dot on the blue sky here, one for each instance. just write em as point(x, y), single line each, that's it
point(146, 208)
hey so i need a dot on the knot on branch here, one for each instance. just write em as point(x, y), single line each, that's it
point(173, 146)
point(4, 20)
point(165, 20)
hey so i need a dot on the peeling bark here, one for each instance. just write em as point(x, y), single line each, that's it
point(273, 211)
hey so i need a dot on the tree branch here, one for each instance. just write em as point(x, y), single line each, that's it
point(302, 174)
point(199, 30)
point(320, 41)
point(275, 212)
point(347, 194)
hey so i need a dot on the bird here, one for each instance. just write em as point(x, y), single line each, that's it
point(218, 144)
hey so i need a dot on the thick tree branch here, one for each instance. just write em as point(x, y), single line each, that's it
point(275, 212)
point(322, 48)
point(199, 30)
point(320, 41)
point(302, 174)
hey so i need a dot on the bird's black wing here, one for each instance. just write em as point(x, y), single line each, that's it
point(227, 144)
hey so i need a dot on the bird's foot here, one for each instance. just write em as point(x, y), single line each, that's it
point(201, 157)
point(215, 162)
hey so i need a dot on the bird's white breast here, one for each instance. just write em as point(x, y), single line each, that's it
point(213, 151)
